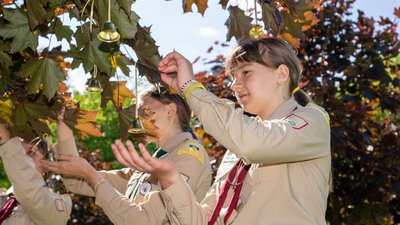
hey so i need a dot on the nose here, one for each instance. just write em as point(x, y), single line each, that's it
point(236, 84)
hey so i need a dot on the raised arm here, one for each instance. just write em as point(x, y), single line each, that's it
point(39, 202)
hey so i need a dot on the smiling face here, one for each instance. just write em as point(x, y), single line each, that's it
point(264, 73)
point(256, 87)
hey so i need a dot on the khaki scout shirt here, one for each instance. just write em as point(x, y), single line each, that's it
point(37, 204)
point(146, 207)
point(288, 182)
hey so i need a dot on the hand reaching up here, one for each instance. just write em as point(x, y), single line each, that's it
point(175, 62)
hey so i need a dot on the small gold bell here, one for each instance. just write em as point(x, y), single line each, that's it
point(256, 31)
point(136, 127)
point(109, 33)
point(94, 85)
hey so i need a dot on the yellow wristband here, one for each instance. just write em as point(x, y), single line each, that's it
point(192, 87)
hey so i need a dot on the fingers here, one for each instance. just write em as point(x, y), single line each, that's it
point(170, 57)
point(124, 153)
point(146, 155)
point(141, 162)
point(119, 156)
point(52, 166)
point(64, 157)
point(171, 81)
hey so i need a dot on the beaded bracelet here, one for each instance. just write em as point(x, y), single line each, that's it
point(186, 84)
point(192, 87)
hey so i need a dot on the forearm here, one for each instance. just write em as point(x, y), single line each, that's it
point(181, 205)
point(117, 178)
point(123, 211)
point(63, 131)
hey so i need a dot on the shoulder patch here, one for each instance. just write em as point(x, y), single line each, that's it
point(296, 122)
point(193, 149)
point(59, 204)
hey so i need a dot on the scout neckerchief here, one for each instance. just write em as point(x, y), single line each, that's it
point(135, 185)
point(235, 180)
point(8, 208)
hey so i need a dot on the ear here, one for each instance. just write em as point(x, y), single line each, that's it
point(283, 74)
point(172, 108)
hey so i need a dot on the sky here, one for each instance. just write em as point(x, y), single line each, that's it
point(192, 34)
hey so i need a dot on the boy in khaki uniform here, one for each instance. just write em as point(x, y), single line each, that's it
point(278, 168)
point(36, 204)
point(129, 196)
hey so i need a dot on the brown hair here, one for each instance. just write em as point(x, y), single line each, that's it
point(270, 52)
point(182, 108)
point(40, 144)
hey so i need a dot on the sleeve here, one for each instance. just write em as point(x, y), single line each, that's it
point(193, 164)
point(268, 142)
point(117, 178)
point(123, 211)
point(41, 204)
point(182, 208)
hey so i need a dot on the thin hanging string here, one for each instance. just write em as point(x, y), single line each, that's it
point(109, 11)
point(94, 71)
point(255, 12)
point(136, 92)
point(91, 14)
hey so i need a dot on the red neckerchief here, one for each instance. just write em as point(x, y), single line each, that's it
point(8, 208)
point(235, 180)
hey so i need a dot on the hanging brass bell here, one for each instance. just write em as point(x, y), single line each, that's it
point(109, 33)
point(256, 31)
point(136, 127)
point(94, 85)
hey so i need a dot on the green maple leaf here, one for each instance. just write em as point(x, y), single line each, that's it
point(126, 5)
point(62, 31)
point(5, 62)
point(18, 30)
point(82, 35)
point(44, 72)
point(36, 12)
point(238, 23)
point(92, 55)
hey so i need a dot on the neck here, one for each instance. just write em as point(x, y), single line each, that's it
point(167, 135)
point(267, 113)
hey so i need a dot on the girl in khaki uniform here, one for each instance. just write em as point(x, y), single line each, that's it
point(278, 168)
point(129, 196)
point(35, 203)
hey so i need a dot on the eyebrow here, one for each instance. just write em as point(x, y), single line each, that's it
point(244, 64)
